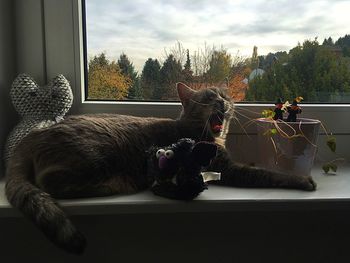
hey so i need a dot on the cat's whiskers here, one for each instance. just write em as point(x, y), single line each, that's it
point(243, 115)
point(250, 111)
point(200, 103)
point(205, 129)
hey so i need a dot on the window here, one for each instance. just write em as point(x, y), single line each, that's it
point(260, 51)
point(50, 41)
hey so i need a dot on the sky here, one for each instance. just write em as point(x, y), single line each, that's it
point(148, 29)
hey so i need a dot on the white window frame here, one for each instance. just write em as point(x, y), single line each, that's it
point(54, 31)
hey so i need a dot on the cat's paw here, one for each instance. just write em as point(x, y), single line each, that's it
point(308, 184)
point(75, 244)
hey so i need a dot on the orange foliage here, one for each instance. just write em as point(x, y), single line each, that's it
point(237, 87)
point(107, 82)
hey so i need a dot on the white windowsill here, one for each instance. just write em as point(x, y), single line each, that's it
point(333, 192)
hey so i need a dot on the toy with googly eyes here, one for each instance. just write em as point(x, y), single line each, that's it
point(175, 170)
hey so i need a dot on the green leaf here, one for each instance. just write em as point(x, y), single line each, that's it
point(333, 167)
point(273, 131)
point(330, 167)
point(268, 114)
point(270, 132)
point(325, 168)
point(332, 143)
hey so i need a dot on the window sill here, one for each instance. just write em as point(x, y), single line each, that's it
point(333, 192)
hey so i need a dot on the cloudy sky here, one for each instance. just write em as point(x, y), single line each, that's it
point(144, 28)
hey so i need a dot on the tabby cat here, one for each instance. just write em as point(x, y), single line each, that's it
point(101, 155)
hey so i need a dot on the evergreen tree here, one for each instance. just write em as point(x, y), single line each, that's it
point(128, 70)
point(150, 78)
point(328, 42)
point(187, 71)
point(98, 61)
point(344, 43)
point(170, 74)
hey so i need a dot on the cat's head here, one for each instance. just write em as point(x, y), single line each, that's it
point(210, 107)
point(47, 102)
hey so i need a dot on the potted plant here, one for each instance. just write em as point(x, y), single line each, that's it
point(290, 145)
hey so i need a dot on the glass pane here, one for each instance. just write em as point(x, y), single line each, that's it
point(259, 51)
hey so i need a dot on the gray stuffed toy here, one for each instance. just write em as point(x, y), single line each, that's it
point(39, 107)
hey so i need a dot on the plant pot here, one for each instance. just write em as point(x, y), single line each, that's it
point(294, 155)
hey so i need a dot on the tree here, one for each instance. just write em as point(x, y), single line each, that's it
point(187, 71)
point(255, 58)
point(219, 66)
point(128, 70)
point(344, 43)
point(170, 74)
point(105, 80)
point(310, 70)
point(177, 51)
point(150, 78)
point(328, 42)
point(98, 61)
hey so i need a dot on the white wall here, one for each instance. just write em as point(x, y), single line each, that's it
point(7, 70)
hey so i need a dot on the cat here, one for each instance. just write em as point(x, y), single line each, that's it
point(101, 155)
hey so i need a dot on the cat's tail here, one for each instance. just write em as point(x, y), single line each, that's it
point(40, 207)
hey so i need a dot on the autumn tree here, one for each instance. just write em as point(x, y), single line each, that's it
point(105, 79)
point(219, 66)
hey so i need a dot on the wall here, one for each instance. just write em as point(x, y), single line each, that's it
point(7, 70)
point(239, 237)
point(22, 37)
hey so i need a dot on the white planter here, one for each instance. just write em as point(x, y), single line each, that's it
point(288, 155)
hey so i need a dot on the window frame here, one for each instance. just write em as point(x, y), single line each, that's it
point(58, 43)
point(319, 111)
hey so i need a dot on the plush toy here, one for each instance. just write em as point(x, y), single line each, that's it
point(176, 169)
point(39, 107)
point(278, 110)
point(293, 110)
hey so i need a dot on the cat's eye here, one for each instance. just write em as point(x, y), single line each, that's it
point(211, 95)
point(160, 152)
point(169, 154)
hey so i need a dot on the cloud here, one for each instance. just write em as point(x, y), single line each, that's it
point(143, 28)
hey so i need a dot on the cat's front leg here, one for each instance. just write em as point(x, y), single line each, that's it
point(233, 174)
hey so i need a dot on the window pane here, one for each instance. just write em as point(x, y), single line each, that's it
point(259, 50)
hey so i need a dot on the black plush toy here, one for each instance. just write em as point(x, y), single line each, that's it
point(278, 110)
point(293, 110)
point(176, 169)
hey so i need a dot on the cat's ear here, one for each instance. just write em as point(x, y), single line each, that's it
point(185, 92)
